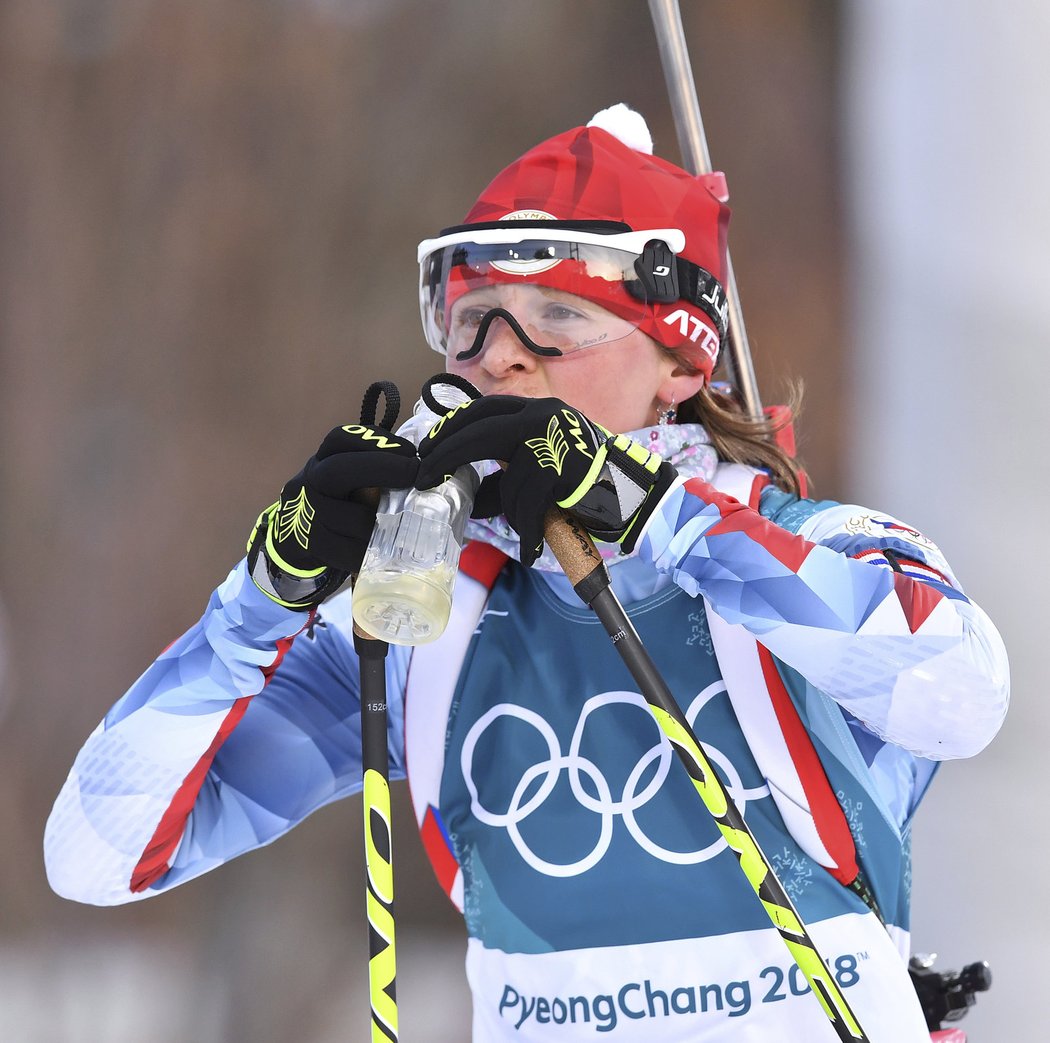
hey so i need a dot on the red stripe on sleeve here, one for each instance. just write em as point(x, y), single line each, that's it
point(918, 599)
point(282, 649)
point(154, 861)
point(791, 551)
point(828, 816)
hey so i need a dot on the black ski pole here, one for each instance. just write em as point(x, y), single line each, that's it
point(375, 766)
point(579, 559)
point(382, 963)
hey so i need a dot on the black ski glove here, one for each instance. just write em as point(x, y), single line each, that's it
point(554, 455)
point(305, 545)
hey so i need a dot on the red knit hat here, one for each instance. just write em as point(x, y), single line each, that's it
point(606, 172)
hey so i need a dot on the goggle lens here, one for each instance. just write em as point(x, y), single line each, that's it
point(566, 296)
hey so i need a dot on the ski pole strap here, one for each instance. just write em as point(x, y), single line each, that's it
point(382, 963)
point(370, 403)
point(587, 572)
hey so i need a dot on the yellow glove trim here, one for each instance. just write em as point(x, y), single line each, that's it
point(284, 566)
point(589, 479)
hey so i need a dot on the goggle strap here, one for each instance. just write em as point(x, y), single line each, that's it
point(664, 278)
point(700, 288)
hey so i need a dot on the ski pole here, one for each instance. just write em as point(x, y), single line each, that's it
point(382, 962)
point(375, 765)
point(579, 559)
point(692, 142)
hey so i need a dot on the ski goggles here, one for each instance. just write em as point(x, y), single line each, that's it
point(571, 286)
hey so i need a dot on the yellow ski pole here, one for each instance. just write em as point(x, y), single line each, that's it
point(382, 963)
point(375, 765)
point(581, 562)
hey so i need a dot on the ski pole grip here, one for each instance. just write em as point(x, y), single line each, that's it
point(573, 547)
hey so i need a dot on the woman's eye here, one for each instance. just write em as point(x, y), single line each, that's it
point(562, 313)
point(469, 318)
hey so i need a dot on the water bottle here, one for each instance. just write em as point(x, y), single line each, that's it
point(403, 592)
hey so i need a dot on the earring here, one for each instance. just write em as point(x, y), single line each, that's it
point(666, 415)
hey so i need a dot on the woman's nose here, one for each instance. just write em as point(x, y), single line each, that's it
point(503, 350)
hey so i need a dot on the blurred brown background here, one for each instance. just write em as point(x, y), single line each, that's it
point(209, 217)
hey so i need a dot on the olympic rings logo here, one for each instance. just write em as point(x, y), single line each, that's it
point(626, 805)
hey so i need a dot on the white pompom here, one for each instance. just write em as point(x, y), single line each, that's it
point(627, 125)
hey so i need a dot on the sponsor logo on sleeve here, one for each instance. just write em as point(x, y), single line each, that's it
point(881, 526)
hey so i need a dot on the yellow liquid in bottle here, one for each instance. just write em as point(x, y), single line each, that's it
point(403, 609)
